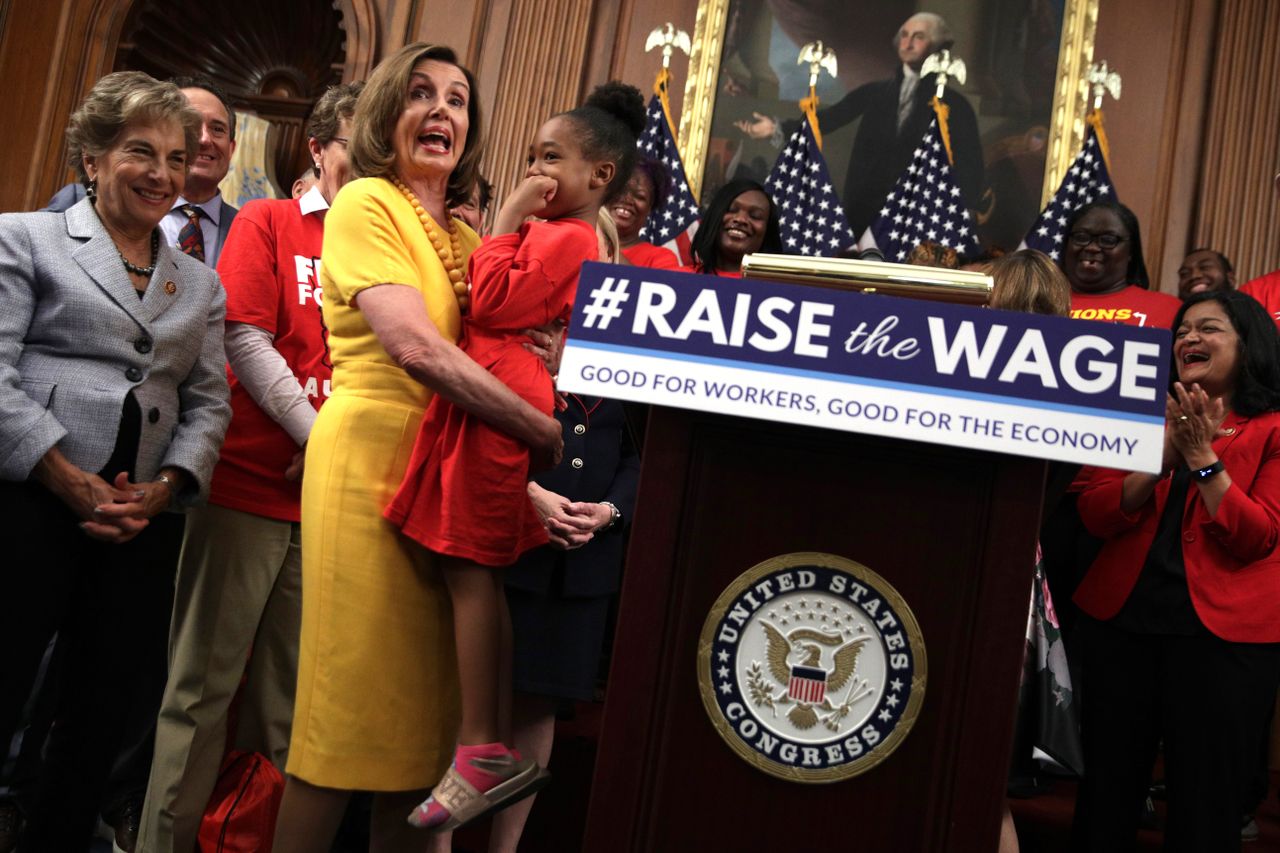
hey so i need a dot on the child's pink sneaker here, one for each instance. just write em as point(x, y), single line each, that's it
point(482, 779)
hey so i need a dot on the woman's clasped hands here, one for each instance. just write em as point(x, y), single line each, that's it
point(112, 512)
point(1192, 421)
point(570, 524)
point(127, 511)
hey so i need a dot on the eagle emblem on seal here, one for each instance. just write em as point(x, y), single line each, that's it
point(794, 675)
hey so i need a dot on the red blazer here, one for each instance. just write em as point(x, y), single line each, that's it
point(1232, 559)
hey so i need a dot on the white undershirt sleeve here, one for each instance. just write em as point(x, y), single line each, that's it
point(264, 373)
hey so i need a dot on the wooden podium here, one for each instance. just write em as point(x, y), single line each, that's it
point(953, 530)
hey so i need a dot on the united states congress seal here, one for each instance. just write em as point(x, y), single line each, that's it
point(812, 667)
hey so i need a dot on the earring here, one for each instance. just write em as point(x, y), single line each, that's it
point(91, 189)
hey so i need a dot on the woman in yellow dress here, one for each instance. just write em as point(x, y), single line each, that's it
point(377, 697)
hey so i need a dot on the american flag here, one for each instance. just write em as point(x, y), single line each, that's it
point(924, 206)
point(671, 226)
point(809, 213)
point(1086, 181)
point(807, 684)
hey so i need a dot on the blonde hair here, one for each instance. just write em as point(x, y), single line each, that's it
point(607, 231)
point(118, 100)
point(1028, 281)
point(371, 151)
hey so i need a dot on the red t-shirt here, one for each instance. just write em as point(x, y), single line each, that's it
point(655, 257)
point(464, 491)
point(1133, 306)
point(1266, 289)
point(270, 267)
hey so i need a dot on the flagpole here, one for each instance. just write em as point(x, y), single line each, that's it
point(1089, 177)
point(819, 57)
point(669, 39)
point(672, 223)
point(926, 204)
point(1102, 81)
point(811, 220)
point(943, 112)
point(946, 67)
point(661, 88)
point(1094, 118)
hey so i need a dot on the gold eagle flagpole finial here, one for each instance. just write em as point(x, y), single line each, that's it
point(946, 67)
point(670, 40)
point(1103, 81)
point(819, 57)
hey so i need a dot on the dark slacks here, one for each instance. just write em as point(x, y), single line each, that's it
point(1204, 698)
point(110, 607)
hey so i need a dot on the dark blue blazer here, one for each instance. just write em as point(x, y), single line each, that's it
point(610, 471)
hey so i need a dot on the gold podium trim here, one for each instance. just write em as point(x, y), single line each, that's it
point(931, 283)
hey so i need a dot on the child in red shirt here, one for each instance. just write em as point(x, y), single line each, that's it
point(464, 493)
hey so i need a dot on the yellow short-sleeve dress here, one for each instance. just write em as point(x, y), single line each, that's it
point(377, 699)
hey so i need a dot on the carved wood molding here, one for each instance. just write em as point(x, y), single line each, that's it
point(85, 47)
point(607, 39)
point(537, 69)
point(1169, 224)
point(360, 21)
point(274, 56)
point(4, 17)
point(1238, 211)
point(1167, 144)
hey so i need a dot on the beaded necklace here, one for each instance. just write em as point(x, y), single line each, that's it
point(143, 271)
point(453, 258)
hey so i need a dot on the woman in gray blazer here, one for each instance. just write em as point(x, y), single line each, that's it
point(113, 404)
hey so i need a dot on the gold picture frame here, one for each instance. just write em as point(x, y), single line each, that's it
point(1067, 119)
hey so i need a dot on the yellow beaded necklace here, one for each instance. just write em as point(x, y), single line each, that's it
point(452, 259)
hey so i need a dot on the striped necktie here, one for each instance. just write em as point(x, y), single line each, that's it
point(191, 237)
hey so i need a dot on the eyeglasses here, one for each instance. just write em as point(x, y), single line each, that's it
point(1080, 239)
point(341, 139)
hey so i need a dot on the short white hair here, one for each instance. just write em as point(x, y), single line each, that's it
point(939, 29)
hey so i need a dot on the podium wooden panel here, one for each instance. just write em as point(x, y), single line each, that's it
point(952, 530)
